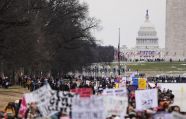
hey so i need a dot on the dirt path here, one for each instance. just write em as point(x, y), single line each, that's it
point(10, 95)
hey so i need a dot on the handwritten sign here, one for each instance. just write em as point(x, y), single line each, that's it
point(146, 99)
point(58, 102)
point(42, 94)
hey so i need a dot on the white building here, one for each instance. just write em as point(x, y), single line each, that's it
point(147, 46)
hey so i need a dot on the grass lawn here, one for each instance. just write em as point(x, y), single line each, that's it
point(158, 66)
point(10, 95)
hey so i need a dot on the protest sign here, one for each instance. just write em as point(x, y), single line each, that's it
point(124, 79)
point(115, 105)
point(83, 92)
point(146, 99)
point(123, 82)
point(115, 92)
point(87, 82)
point(89, 108)
point(29, 98)
point(133, 74)
point(176, 115)
point(50, 107)
point(142, 84)
point(135, 81)
point(116, 85)
point(173, 115)
point(58, 102)
point(162, 116)
point(42, 94)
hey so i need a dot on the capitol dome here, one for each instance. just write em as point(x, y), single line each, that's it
point(147, 35)
point(147, 28)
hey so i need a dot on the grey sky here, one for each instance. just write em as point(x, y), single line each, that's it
point(129, 15)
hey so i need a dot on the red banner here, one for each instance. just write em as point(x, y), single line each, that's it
point(83, 92)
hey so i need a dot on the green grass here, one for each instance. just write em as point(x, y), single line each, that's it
point(161, 66)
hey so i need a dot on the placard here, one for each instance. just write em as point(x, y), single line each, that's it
point(42, 94)
point(135, 81)
point(83, 92)
point(58, 102)
point(163, 116)
point(142, 83)
point(89, 108)
point(146, 99)
point(115, 105)
point(115, 92)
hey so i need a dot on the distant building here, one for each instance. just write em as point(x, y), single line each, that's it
point(175, 43)
point(147, 46)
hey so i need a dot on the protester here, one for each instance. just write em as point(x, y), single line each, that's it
point(32, 112)
point(10, 111)
point(98, 85)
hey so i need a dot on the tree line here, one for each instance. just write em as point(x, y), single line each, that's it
point(48, 35)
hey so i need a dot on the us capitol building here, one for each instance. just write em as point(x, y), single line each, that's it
point(147, 46)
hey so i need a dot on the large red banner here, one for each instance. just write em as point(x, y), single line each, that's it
point(83, 92)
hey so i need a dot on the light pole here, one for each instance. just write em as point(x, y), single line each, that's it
point(119, 54)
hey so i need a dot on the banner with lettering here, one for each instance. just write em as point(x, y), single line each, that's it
point(88, 108)
point(146, 99)
point(115, 92)
point(41, 95)
point(83, 92)
point(58, 102)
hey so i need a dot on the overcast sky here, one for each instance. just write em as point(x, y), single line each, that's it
point(129, 15)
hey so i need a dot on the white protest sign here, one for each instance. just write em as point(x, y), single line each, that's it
point(123, 82)
point(48, 108)
point(87, 82)
point(58, 102)
point(88, 108)
point(162, 116)
point(115, 105)
point(29, 98)
point(178, 116)
point(42, 94)
point(146, 99)
point(115, 92)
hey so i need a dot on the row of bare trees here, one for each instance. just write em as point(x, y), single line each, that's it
point(48, 35)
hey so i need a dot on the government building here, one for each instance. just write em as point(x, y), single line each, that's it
point(147, 44)
point(175, 42)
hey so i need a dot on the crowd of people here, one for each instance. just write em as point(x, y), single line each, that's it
point(97, 84)
point(4, 82)
point(167, 79)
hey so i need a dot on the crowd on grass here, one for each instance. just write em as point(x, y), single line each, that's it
point(98, 84)
point(168, 79)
